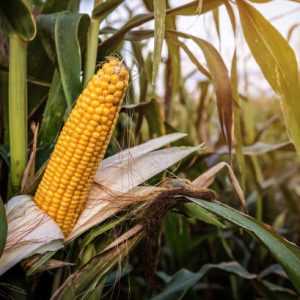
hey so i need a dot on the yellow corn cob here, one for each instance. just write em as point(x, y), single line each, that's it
point(81, 146)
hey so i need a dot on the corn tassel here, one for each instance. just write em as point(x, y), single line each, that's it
point(81, 146)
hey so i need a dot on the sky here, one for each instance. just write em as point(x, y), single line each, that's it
point(283, 14)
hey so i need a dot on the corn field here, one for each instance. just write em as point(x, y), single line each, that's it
point(140, 159)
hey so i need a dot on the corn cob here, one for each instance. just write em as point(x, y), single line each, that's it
point(81, 146)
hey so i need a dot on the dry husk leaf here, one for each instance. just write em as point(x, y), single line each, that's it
point(31, 231)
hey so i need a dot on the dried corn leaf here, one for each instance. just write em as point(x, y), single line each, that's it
point(30, 231)
point(121, 178)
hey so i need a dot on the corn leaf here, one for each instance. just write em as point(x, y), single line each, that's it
point(143, 79)
point(54, 6)
point(178, 238)
point(46, 33)
point(218, 74)
point(286, 253)
point(4, 153)
point(73, 6)
point(17, 17)
point(217, 22)
point(53, 113)
point(87, 279)
point(174, 57)
point(102, 10)
point(237, 114)
point(3, 227)
point(154, 115)
point(292, 30)
point(260, 148)
point(68, 52)
point(260, 1)
point(178, 284)
point(198, 213)
point(52, 30)
point(191, 56)
point(110, 44)
point(200, 6)
point(263, 148)
point(221, 80)
point(278, 63)
point(52, 120)
point(159, 31)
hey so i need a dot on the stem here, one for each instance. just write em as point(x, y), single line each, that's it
point(4, 108)
point(57, 280)
point(259, 207)
point(17, 91)
point(91, 51)
point(234, 287)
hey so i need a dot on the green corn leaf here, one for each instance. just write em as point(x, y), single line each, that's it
point(198, 213)
point(4, 153)
point(52, 120)
point(68, 52)
point(154, 114)
point(17, 17)
point(286, 253)
point(53, 113)
point(102, 10)
point(178, 284)
point(143, 79)
point(54, 6)
point(53, 29)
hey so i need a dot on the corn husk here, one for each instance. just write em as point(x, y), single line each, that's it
point(31, 231)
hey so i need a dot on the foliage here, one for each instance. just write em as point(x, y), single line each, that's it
point(180, 240)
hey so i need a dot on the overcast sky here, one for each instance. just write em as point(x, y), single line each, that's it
point(282, 13)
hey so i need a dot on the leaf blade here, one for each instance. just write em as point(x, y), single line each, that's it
point(278, 63)
point(286, 253)
point(159, 31)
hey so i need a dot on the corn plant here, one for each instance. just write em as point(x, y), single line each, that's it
point(102, 195)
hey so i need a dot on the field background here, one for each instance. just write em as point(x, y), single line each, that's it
point(236, 89)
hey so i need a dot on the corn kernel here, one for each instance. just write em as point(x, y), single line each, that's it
point(114, 79)
point(120, 85)
point(104, 85)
